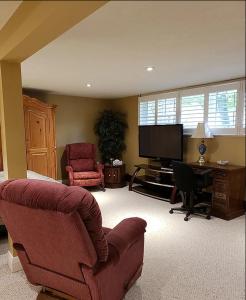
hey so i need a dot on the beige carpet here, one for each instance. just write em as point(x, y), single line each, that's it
point(195, 260)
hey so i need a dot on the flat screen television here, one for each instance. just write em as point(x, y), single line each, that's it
point(162, 142)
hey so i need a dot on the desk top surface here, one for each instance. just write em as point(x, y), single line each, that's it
point(215, 166)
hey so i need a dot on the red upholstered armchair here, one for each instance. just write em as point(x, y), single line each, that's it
point(58, 235)
point(82, 167)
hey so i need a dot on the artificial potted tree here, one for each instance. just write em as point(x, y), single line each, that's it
point(110, 128)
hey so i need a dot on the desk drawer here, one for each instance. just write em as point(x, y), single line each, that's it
point(221, 196)
point(220, 186)
point(220, 200)
point(220, 193)
point(220, 174)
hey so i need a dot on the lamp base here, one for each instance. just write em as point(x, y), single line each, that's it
point(201, 160)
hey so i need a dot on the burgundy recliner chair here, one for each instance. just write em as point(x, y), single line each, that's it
point(82, 167)
point(58, 235)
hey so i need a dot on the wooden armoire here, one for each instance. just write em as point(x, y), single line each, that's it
point(40, 136)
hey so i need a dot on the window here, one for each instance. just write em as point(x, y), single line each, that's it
point(147, 113)
point(192, 110)
point(244, 111)
point(166, 111)
point(222, 106)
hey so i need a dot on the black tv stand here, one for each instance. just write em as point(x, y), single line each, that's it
point(157, 182)
point(165, 163)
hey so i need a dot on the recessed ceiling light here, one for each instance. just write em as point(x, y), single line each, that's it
point(149, 68)
point(88, 85)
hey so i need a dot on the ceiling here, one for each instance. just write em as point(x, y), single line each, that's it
point(188, 42)
point(7, 8)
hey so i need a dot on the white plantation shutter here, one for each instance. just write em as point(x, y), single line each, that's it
point(192, 110)
point(244, 112)
point(147, 112)
point(222, 106)
point(166, 111)
point(223, 114)
point(242, 128)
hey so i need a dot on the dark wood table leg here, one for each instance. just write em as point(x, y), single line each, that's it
point(173, 198)
point(133, 177)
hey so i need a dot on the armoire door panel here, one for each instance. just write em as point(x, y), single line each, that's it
point(38, 130)
point(38, 162)
point(40, 136)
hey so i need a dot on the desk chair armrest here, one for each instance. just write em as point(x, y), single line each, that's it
point(205, 172)
point(126, 233)
point(204, 177)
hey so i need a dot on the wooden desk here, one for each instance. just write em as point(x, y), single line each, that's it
point(228, 189)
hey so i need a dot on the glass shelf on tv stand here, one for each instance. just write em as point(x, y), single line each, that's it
point(155, 168)
point(146, 181)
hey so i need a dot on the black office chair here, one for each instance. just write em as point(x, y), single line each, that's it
point(189, 185)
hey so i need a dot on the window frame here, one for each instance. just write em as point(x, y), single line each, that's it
point(187, 93)
point(239, 130)
point(223, 88)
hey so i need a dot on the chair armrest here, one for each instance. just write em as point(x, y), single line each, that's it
point(99, 167)
point(69, 169)
point(126, 233)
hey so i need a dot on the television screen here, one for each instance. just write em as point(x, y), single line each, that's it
point(161, 141)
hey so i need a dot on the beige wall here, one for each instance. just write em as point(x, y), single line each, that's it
point(129, 106)
point(230, 148)
point(76, 116)
point(75, 119)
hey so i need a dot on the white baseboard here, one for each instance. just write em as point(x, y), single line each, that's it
point(14, 263)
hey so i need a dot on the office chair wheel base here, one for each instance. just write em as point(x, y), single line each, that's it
point(186, 219)
point(170, 211)
point(208, 217)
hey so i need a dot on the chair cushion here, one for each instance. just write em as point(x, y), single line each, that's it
point(86, 175)
point(57, 197)
point(83, 164)
point(82, 150)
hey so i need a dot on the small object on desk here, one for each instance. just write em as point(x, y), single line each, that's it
point(222, 162)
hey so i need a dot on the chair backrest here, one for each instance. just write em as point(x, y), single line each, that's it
point(81, 156)
point(184, 176)
point(59, 227)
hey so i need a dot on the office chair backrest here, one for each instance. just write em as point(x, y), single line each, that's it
point(184, 176)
